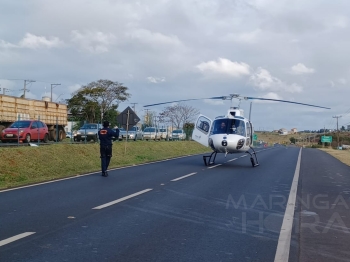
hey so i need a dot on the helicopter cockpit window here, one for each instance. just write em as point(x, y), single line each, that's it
point(237, 127)
point(220, 126)
point(203, 125)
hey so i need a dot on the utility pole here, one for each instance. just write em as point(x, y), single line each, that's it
point(25, 86)
point(134, 107)
point(5, 90)
point(52, 86)
point(146, 118)
point(337, 117)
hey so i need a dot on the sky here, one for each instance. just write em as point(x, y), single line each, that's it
point(166, 50)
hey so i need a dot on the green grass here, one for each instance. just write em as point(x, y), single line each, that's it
point(28, 165)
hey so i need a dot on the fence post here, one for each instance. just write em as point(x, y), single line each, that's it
point(56, 128)
point(38, 130)
point(85, 131)
point(19, 118)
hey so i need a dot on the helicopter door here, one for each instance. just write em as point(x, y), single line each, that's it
point(201, 130)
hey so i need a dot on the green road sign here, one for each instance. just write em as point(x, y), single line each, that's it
point(255, 137)
point(326, 139)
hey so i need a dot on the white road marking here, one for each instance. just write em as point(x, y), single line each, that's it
point(14, 238)
point(176, 179)
point(283, 246)
point(243, 156)
point(93, 173)
point(215, 166)
point(122, 199)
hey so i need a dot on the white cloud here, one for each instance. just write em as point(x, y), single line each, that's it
point(300, 68)
point(342, 81)
point(263, 80)
point(4, 44)
point(34, 42)
point(93, 41)
point(74, 88)
point(224, 66)
point(214, 102)
point(155, 80)
point(245, 37)
point(153, 38)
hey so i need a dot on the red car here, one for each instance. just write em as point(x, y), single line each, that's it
point(25, 131)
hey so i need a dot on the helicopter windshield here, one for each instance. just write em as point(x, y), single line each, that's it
point(229, 126)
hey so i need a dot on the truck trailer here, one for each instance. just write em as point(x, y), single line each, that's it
point(54, 115)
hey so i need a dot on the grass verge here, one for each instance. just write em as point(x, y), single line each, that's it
point(28, 165)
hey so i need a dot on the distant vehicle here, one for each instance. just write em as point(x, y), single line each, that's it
point(149, 133)
point(25, 131)
point(163, 133)
point(88, 132)
point(178, 134)
point(72, 135)
point(134, 133)
point(54, 115)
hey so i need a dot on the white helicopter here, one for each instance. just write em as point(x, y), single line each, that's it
point(229, 134)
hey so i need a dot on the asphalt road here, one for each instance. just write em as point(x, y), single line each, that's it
point(175, 210)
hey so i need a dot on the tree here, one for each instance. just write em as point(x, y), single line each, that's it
point(179, 114)
point(97, 100)
point(188, 129)
point(292, 140)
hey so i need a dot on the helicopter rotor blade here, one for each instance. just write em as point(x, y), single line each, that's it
point(176, 101)
point(285, 101)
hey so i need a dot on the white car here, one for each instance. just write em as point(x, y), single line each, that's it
point(178, 134)
point(150, 133)
point(163, 133)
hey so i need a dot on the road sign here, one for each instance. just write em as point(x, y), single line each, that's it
point(255, 137)
point(128, 118)
point(326, 139)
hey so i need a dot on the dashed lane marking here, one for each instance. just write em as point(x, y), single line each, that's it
point(182, 177)
point(215, 166)
point(123, 199)
point(15, 238)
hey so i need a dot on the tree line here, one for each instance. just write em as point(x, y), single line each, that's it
point(99, 101)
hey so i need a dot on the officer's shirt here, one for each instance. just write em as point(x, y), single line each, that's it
point(106, 136)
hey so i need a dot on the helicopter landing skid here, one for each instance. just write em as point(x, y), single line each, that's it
point(252, 160)
point(210, 157)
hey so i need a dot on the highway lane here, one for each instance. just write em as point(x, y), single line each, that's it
point(229, 212)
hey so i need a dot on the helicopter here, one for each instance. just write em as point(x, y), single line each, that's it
point(230, 133)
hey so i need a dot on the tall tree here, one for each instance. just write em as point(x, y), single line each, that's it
point(94, 100)
point(179, 114)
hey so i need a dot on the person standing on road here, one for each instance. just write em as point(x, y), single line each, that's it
point(106, 136)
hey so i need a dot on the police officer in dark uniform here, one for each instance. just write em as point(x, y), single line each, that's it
point(106, 136)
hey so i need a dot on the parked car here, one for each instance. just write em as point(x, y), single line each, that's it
point(134, 133)
point(69, 134)
point(72, 135)
point(163, 133)
point(88, 132)
point(25, 131)
point(178, 134)
point(150, 133)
